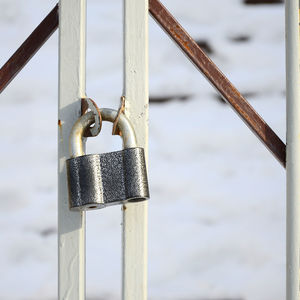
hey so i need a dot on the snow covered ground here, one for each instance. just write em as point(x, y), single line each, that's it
point(217, 208)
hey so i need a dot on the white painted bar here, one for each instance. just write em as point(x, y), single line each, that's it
point(293, 149)
point(135, 215)
point(71, 225)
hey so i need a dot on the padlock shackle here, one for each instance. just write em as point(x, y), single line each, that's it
point(124, 126)
point(76, 142)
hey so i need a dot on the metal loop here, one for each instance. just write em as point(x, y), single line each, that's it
point(76, 144)
point(90, 104)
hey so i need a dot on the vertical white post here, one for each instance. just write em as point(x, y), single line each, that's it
point(136, 109)
point(293, 149)
point(71, 225)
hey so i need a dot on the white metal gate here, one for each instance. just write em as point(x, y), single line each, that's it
point(71, 239)
point(72, 45)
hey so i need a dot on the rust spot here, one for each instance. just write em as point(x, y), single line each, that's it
point(60, 129)
point(177, 35)
point(124, 207)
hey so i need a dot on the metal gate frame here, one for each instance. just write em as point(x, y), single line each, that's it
point(71, 225)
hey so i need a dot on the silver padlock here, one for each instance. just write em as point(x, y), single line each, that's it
point(98, 180)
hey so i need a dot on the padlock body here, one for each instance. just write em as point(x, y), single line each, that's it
point(99, 180)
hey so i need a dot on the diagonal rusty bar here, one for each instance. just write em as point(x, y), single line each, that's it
point(27, 50)
point(204, 64)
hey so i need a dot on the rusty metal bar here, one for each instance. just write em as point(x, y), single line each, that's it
point(205, 65)
point(27, 50)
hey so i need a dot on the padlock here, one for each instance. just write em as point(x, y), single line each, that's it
point(98, 180)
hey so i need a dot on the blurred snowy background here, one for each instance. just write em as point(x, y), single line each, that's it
point(217, 208)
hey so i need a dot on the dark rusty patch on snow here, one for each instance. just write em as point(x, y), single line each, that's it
point(48, 231)
point(245, 94)
point(255, 2)
point(205, 46)
point(169, 98)
point(240, 39)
